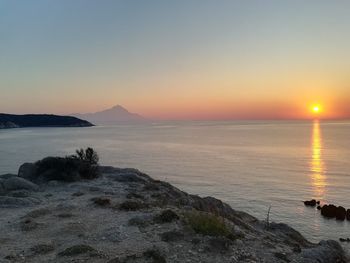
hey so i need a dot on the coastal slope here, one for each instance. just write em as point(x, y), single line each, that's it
point(126, 216)
point(40, 120)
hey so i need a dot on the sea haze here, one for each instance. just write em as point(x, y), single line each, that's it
point(250, 165)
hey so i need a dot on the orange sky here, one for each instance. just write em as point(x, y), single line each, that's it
point(177, 59)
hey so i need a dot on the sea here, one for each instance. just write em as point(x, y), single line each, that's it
point(251, 165)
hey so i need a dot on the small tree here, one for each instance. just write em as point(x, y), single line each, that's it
point(91, 156)
point(88, 155)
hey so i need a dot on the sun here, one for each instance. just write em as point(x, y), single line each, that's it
point(316, 108)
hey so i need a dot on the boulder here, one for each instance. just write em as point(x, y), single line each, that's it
point(27, 171)
point(310, 203)
point(326, 252)
point(329, 211)
point(348, 214)
point(18, 183)
point(171, 236)
point(340, 213)
point(219, 244)
point(332, 211)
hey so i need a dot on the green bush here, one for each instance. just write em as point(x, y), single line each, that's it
point(69, 168)
point(207, 224)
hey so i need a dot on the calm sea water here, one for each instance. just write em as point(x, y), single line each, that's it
point(250, 165)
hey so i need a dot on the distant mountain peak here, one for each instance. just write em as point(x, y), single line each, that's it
point(114, 115)
point(118, 108)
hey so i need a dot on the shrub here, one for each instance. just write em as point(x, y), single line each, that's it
point(69, 168)
point(88, 155)
point(58, 168)
point(207, 224)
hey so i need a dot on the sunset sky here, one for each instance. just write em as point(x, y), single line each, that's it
point(183, 59)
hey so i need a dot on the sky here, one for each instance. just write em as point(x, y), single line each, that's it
point(183, 59)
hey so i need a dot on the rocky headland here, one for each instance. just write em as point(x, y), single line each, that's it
point(69, 210)
point(8, 121)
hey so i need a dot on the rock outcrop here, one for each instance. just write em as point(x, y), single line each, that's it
point(126, 216)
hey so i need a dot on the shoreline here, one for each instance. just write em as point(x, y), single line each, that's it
point(126, 216)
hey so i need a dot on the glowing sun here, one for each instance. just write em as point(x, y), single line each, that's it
point(316, 109)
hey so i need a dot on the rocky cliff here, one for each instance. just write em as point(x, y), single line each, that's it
point(126, 216)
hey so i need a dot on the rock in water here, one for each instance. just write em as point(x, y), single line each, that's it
point(348, 214)
point(340, 213)
point(329, 211)
point(310, 203)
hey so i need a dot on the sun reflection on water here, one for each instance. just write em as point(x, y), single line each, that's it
point(317, 167)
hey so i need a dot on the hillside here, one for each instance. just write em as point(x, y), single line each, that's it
point(40, 120)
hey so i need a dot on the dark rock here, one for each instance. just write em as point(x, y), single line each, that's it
point(291, 235)
point(318, 202)
point(18, 183)
point(171, 236)
point(155, 255)
point(195, 241)
point(95, 189)
point(42, 249)
point(29, 225)
point(38, 213)
point(134, 196)
point(219, 244)
point(166, 216)
point(348, 214)
point(65, 215)
point(28, 171)
point(310, 203)
point(132, 205)
point(78, 194)
point(340, 213)
point(281, 256)
point(101, 201)
point(151, 187)
point(329, 211)
point(77, 250)
point(319, 207)
point(326, 252)
point(139, 221)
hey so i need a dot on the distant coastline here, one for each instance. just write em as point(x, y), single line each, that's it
point(9, 121)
